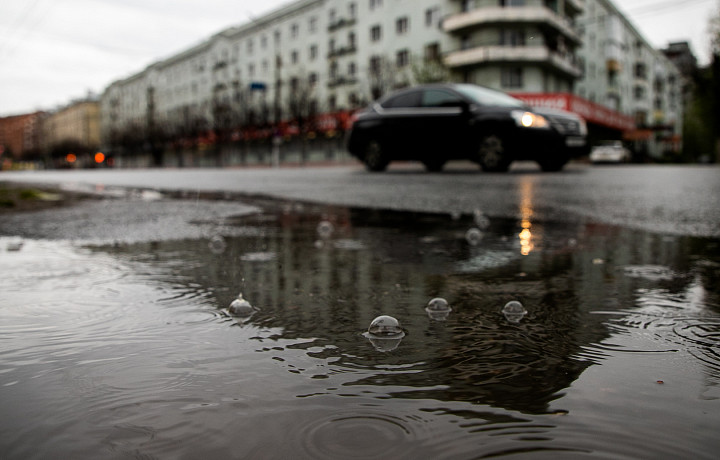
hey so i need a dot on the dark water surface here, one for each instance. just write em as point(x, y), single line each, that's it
point(127, 351)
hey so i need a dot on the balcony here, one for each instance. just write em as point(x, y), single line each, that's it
point(337, 52)
point(519, 54)
point(341, 81)
point(340, 23)
point(518, 15)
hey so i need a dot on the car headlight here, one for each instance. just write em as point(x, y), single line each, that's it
point(529, 119)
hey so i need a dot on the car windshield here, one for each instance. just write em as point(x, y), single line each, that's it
point(485, 96)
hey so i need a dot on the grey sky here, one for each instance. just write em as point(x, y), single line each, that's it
point(53, 51)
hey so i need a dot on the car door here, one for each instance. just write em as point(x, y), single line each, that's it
point(400, 124)
point(445, 123)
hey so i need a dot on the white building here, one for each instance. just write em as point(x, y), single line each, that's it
point(312, 58)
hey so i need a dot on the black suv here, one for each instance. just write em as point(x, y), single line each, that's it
point(438, 123)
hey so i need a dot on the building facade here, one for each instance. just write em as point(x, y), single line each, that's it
point(78, 122)
point(20, 138)
point(301, 67)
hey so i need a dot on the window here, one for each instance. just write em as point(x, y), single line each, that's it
point(294, 31)
point(312, 25)
point(312, 79)
point(351, 40)
point(432, 52)
point(440, 98)
point(251, 70)
point(402, 25)
point(404, 100)
point(640, 70)
point(512, 2)
point(402, 58)
point(294, 84)
point(512, 37)
point(375, 33)
point(465, 43)
point(249, 46)
point(375, 4)
point(375, 64)
point(277, 37)
point(352, 10)
point(294, 57)
point(352, 69)
point(639, 92)
point(263, 42)
point(333, 70)
point(432, 16)
point(512, 77)
point(466, 5)
point(313, 52)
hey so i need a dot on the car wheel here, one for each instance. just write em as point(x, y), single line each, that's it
point(434, 165)
point(374, 157)
point(492, 154)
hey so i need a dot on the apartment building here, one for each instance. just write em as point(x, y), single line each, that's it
point(78, 123)
point(315, 59)
point(20, 138)
point(623, 72)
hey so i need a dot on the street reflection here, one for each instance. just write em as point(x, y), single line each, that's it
point(526, 213)
point(322, 297)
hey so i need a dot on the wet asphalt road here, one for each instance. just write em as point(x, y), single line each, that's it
point(682, 200)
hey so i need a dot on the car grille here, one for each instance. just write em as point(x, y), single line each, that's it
point(564, 125)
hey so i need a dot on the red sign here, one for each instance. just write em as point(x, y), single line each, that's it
point(590, 111)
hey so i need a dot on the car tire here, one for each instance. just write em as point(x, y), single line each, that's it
point(492, 154)
point(374, 157)
point(434, 165)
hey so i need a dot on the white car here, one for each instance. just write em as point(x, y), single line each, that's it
point(610, 152)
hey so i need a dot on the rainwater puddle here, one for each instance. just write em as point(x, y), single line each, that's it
point(133, 351)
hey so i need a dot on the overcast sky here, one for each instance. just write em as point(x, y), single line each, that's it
point(53, 51)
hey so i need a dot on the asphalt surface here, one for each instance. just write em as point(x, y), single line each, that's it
point(681, 200)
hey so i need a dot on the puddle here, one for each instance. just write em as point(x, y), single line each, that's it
point(514, 340)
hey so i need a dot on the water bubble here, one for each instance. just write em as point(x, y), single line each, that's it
point(385, 333)
point(325, 229)
point(438, 309)
point(385, 326)
point(241, 307)
point(217, 244)
point(474, 236)
point(481, 220)
point(514, 311)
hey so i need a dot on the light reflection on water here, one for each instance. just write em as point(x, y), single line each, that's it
point(129, 350)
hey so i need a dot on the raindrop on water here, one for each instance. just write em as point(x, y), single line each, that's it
point(474, 236)
point(241, 307)
point(325, 229)
point(386, 326)
point(217, 244)
point(481, 220)
point(438, 309)
point(514, 311)
point(385, 333)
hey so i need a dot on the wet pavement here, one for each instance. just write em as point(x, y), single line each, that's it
point(119, 340)
point(680, 200)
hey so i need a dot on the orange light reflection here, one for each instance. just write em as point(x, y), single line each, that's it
point(526, 213)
